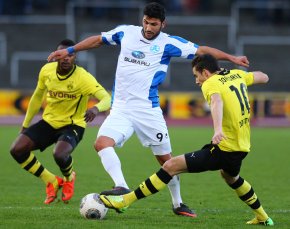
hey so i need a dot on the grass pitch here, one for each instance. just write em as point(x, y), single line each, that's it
point(266, 168)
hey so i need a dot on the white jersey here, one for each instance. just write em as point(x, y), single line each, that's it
point(142, 64)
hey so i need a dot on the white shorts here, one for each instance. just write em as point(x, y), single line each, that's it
point(148, 124)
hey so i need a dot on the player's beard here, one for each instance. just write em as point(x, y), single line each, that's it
point(64, 68)
point(153, 37)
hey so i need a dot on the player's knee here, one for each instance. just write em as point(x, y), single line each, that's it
point(224, 175)
point(97, 146)
point(21, 146)
point(163, 158)
point(16, 149)
point(103, 142)
point(13, 150)
point(168, 166)
point(57, 156)
point(19, 152)
point(228, 179)
point(61, 157)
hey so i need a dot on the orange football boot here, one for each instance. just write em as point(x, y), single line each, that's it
point(51, 191)
point(68, 189)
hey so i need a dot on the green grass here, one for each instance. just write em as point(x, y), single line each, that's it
point(266, 168)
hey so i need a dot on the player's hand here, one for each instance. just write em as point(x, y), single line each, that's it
point(242, 61)
point(218, 137)
point(56, 55)
point(91, 114)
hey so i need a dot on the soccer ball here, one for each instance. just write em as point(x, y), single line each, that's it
point(92, 207)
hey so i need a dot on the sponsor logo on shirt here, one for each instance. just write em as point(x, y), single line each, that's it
point(134, 61)
point(138, 54)
point(61, 94)
point(154, 49)
point(70, 85)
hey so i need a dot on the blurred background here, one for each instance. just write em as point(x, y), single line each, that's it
point(259, 29)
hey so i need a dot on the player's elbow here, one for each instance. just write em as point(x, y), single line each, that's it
point(265, 77)
point(260, 77)
point(202, 50)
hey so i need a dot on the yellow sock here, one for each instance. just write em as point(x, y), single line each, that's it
point(69, 178)
point(67, 172)
point(48, 177)
point(151, 185)
point(33, 166)
point(246, 193)
point(261, 214)
point(55, 183)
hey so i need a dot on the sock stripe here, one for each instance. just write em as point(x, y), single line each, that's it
point(22, 158)
point(150, 186)
point(237, 184)
point(39, 171)
point(67, 167)
point(164, 176)
point(248, 195)
point(30, 164)
point(256, 204)
point(66, 170)
point(139, 194)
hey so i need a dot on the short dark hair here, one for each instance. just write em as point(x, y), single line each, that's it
point(205, 61)
point(155, 10)
point(67, 43)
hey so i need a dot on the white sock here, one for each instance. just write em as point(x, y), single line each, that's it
point(174, 188)
point(112, 165)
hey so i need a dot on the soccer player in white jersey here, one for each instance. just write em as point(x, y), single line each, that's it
point(142, 65)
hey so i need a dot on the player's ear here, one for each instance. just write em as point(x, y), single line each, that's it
point(163, 24)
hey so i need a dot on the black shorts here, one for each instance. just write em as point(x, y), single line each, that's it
point(44, 135)
point(211, 158)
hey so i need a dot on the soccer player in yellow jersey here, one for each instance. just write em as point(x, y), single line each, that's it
point(226, 93)
point(67, 87)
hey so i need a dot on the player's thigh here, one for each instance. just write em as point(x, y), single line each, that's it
point(205, 159)
point(118, 127)
point(152, 131)
point(42, 134)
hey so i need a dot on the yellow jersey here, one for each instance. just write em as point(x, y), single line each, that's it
point(232, 87)
point(67, 96)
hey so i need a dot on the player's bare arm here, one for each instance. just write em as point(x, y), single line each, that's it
point(217, 116)
point(220, 55)
point(88, 43)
